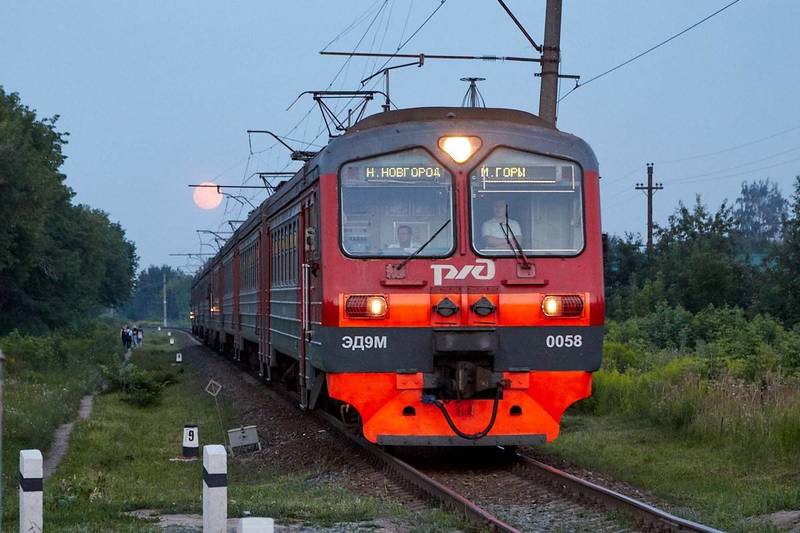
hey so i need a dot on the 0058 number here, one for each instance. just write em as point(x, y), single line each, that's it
point(564, 341)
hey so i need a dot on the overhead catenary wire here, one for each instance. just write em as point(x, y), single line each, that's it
point(353, 24)
point(578, 85)
point(364, 16)
point(304, 118)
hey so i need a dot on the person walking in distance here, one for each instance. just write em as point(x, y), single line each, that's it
point(140, 337)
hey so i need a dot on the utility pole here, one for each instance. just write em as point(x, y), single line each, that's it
point(650, 189)
point(551, 56)
point(164, 281)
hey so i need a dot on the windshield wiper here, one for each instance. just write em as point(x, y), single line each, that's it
point(422, 247)
point(515, 246)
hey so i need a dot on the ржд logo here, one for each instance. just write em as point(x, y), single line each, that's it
point(484, 270)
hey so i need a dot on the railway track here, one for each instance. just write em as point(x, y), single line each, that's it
point(647, 516)
point(577, 504)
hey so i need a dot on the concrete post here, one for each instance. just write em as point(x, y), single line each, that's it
point(191, 441)
point(215, 489)
point(253, 524)
point(30, 491)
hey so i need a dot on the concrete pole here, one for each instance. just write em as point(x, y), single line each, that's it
point(551, 56)
point(215, 489)
point(191, 441)
point(30, 491)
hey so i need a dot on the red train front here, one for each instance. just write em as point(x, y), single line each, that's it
point(437, 271)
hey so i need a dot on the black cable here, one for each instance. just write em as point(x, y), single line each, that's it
point(659, 45)
point(471, 436)
point(424, 22)
point(404, 43)
point(350, 26)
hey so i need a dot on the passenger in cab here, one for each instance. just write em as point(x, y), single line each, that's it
point(494, 230)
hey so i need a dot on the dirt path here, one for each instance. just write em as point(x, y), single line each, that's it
point(60, 445)
point(61, 436)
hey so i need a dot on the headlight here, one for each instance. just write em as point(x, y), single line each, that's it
point(366, 306)
point(460, 148)
point(562, 305)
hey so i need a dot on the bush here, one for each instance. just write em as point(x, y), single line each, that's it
point(27, 351)
point(139, 387)
point(621, 357)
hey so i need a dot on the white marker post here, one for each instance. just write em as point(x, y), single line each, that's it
point(179, 357)
point(253, 524)
point(191, 441)
point(171, 341)
point(215, 489)
point(169, 334)
point(30, 491)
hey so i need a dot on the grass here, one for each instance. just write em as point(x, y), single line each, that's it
point(711, 482)
point(46, 379)
point(119, 461)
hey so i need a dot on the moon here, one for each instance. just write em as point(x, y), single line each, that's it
point(207, 197)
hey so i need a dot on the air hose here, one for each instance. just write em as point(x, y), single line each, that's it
point(470, 436)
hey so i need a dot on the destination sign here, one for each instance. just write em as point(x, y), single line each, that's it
point(402, 172)
point(537, 174)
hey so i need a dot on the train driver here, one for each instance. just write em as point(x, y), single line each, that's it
point(405, 239)
point(494, 229)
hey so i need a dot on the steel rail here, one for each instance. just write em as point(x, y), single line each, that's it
point(610, 498)
point(419, 481)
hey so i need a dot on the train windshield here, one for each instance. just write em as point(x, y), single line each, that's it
point(394, 203)
point(526, 202)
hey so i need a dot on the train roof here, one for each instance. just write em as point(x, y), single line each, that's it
point(427, 114)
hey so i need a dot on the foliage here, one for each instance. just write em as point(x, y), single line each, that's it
point(44, 383)
point(696, 255)
point(782, 287)
point(147, 299)
point(138, 386)
point(747, 257)
point(58, 260)
point(760, 213)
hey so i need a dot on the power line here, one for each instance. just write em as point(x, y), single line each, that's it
point(391, 56)
point(725, 176)
point(419, 28)
point(745, 164)
point(731, 149)
point(353, 24)
point(652, 48)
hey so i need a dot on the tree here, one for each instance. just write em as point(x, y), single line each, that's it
point(58, 261)
point(782, 291)
point(625, 264)
point(760, 212)
point(147, 299)
point(696, 255)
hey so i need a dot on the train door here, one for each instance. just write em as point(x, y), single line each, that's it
point(311, 380)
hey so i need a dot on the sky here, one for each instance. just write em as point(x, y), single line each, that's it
point(157, 95)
